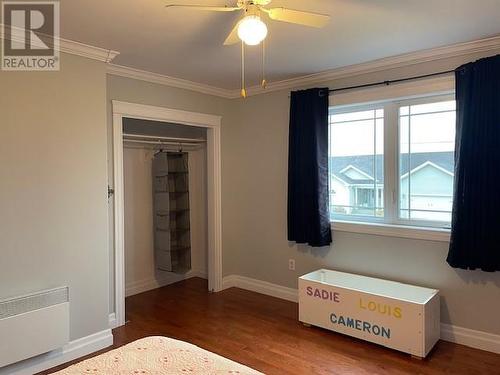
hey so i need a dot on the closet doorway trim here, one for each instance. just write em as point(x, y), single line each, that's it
point(212, 124)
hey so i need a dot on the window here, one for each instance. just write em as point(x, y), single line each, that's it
point(426, 146)
point(410, 185)
point(357, 163)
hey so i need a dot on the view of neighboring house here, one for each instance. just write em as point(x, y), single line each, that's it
point(357, 188)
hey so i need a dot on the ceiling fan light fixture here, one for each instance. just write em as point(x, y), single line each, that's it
point(252, 30)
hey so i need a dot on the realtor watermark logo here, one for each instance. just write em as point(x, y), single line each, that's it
point(30, 35)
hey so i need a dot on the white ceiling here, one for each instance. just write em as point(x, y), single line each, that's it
point(188, 44)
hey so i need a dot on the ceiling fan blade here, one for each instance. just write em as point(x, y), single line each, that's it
point(203, 7)
point(233, 38)
point(298, 17)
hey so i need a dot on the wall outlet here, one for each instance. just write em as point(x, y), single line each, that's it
point(291, 264)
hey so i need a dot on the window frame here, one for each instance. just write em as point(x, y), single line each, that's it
point(391, 224)
point(397, 219)
point(374, 106)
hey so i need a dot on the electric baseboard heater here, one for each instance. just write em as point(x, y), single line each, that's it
point(33, 324)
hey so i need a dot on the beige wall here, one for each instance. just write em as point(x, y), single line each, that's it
point(198, 204)
point(255, 231)
point(53, 204)
point(138, 219)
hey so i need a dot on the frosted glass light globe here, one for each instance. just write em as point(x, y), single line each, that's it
point(252, 30)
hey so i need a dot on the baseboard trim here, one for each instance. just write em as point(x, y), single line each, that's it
point(259, 286)
point(458, 335)
point(472, 338)
point(142, 286)
point(73, 350)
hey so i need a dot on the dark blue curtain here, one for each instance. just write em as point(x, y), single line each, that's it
point(308, 218)
point(475, 233)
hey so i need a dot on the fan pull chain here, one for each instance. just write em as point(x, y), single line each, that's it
point(264, 82)
point(243, 89)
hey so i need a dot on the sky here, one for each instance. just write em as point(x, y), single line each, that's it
point(432, 129)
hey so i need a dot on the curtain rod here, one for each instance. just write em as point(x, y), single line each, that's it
point(388, 82)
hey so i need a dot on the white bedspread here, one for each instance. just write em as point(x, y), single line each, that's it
point(158, 356)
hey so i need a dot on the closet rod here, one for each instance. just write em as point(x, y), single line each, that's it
point(158, 138)
point(183, 144)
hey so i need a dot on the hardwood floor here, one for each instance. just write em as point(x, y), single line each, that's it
point(263, 332)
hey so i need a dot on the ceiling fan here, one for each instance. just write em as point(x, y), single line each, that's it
point(252, 30)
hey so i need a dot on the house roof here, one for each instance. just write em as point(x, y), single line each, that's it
point(342, 164)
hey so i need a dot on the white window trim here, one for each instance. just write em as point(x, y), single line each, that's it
point(395, 219)
point(390, 97)
point(392, 230)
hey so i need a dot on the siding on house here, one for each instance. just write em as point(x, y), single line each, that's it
point(430, 175)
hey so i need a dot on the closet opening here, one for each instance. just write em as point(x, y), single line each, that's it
point(165, 210)
point(167, 215)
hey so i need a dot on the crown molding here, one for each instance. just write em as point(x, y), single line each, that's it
point(88, 51)
point(392, 62)
point(142, 75)
point(74, 48)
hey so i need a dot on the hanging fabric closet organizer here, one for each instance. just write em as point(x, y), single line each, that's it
point(172, 237)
